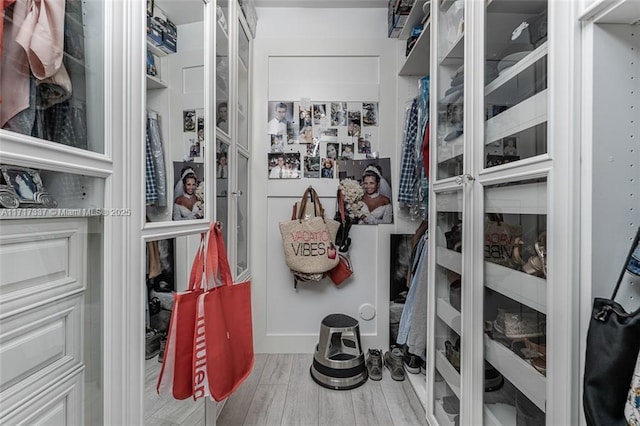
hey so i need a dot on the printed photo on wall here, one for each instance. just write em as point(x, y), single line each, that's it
point(364, 145)
point(313, 149)
point(312, 167)
point(284, 166)
point(347, 151)
point(306, 135)
point(222, 117)
point(305, 117)
point(189, 120)
point(319, 113)
point(328, 168)
point(338, 113)
point(277, 143)
point(332, 150)
point(280, 120)
point(355, 124)
point(188, 191)
point(329, 135)
point(194, 147)
point(367, 187)
point(370, 111)
point(201, 129)
point(222, 165)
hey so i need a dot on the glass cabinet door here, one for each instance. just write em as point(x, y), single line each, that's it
point(222, 66)
point(242, 215)
point(243, 87)
point(515, 214)
point(515, 91)
point(222, 185)
point(450, 89)
point(176, 115)
point(515, 294)
point(448, 295)
point(55, 94)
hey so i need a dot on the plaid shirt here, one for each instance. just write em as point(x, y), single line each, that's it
point(152, 190)
point(408, 168)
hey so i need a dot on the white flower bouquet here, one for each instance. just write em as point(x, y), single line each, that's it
point(200, 196)
point(353, 194)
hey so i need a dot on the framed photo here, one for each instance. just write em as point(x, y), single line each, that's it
point(284, 166)
point(20, 185)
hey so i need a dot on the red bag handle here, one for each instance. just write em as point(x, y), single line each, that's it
point(223, 260)
point(197, 268)
point(213, 257)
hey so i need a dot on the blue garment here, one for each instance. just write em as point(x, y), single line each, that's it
point(419, 262)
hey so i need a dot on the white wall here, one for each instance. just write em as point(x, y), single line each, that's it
point(327, 49)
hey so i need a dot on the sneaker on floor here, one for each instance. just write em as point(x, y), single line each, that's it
point(393, 361)
point(374, 364)
point(152, 343)
point(412, 363)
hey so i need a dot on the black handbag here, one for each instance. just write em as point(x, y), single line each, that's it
point(613, 343)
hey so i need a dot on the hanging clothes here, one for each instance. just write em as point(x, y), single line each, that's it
point(419, 263)
point(151, 186)
point(157, 156)
point(33, 43)
point(407, 168)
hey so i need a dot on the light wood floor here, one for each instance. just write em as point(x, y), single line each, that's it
point(280, 391)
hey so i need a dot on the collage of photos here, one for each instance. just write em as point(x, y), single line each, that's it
point(314, 136)
point(193, 130)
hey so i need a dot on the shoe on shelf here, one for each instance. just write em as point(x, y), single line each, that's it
point(393, 361)
point(493, 380)
point(540, 364)
point(521, 325)
point(452, 353)
point(451, 404)
point(374, 364)
point(412, 363)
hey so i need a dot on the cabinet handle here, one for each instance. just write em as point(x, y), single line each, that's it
point(466, 178)
point(236, 193)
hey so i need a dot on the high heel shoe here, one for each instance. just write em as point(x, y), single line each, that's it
point(537, 265)
point(518, 243)
point(541, 249)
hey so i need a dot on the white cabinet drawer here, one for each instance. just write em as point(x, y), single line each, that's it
point(41, 260)
point(58, 404)
point(37, 347)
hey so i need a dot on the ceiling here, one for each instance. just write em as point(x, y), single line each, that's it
point(184, 12)
point(322, 3)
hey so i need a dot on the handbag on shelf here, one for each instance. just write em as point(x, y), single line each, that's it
point(223, 344)
point(177, 363)
point(613, 345)
point(308, 244)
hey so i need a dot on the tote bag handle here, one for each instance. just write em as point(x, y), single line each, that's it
point(626, 262)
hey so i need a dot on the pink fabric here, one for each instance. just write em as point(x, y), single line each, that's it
point(4, 4)
point(33, 39)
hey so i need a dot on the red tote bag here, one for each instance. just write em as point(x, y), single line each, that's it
point(223, 343)
point(177, 363)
